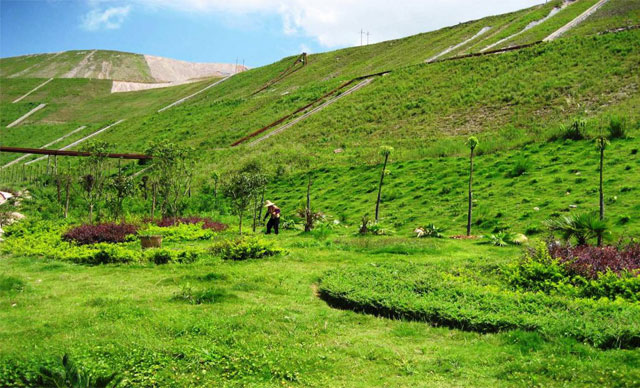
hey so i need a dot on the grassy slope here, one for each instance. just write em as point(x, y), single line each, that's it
point(267, 327)
point(517, 96)
point(545, 29)
point(614, 14)
point(124, 66)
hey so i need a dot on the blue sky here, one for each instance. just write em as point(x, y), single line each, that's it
point(258, 31)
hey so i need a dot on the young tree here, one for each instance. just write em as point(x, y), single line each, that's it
point(94, 169)
point(472, 142)
point(601, 144)
point(240, 188)
point(385, 151)
point(171, 174)
point(122, 186)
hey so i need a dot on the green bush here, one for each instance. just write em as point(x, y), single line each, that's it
point(245, 248)
point(418, 292)
point(540, 271)
point(45, 241)
point(164, 256)
point(179, 232)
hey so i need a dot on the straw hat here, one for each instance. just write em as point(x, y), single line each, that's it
point(269, 203)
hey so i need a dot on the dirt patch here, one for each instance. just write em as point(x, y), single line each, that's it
point(173, 70)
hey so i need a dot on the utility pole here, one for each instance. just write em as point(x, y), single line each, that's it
point(361, 34)
point(368, 37)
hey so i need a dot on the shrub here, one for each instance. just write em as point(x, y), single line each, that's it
point(100, 233)
point(207, 223)
point(589, 272)
point(419, 292)
point(180, 232)
point(576, 131)
point(617, 128)
point(591, 261)
point(72, 376)
point(521, 166)
point(245, 248)
point(369, 226)
point(504, 238)
point(430, 230)
point(164, 256)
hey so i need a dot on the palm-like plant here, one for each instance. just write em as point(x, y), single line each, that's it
point(73, 377)
point(601, 144)
point(582, 227)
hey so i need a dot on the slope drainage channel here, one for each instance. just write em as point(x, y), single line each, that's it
point(45, 146)
point(313, 111)
point(304, 108)
point(575, 21)
point(180, 101)
point(452, 48)
point(78, 141)
point(21, 119)
point(32, 90)
point(529, 26)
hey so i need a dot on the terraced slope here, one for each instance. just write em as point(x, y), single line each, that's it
point(111, 65)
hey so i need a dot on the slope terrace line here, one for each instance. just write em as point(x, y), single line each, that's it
point(21, 119)
point(302, 58)
point(32, 90)
point(180, 101)
point(78, 141)
point(562, 30)
point(45, 146)
point(313, 111)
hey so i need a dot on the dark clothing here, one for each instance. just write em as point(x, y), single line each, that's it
point(273, 223)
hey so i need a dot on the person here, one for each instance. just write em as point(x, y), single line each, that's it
point(274, 212)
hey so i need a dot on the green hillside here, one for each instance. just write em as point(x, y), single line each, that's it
point(78, 64)
point(511, 303)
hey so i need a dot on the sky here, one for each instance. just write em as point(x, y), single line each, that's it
point(257, 32)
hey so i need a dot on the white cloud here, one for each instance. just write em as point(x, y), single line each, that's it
point(110, 18)
point(334, 23)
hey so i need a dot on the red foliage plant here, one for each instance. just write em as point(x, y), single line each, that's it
point(107, 232)
point(589, 261)
point(207, 223)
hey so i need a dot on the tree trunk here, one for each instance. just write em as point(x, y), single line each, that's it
point(261, 203)
point(66, 200)
point(470, 194)
point(153, 200)
point(601, 192)
point(240, 223)
point(91, 213)
point(384, 167)
point(255, 212)
point(309, 224)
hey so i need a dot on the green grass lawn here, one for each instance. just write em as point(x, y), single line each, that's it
point(266, 326)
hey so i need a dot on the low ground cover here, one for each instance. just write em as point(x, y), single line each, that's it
point(258, 322)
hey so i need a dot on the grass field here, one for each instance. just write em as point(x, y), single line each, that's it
point(266, 327)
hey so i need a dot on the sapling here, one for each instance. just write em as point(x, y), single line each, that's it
point(385, 151)
point(94, 169)
point(472, 142)
point(601, 144)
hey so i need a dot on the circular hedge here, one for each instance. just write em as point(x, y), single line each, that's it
point(417, 292)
